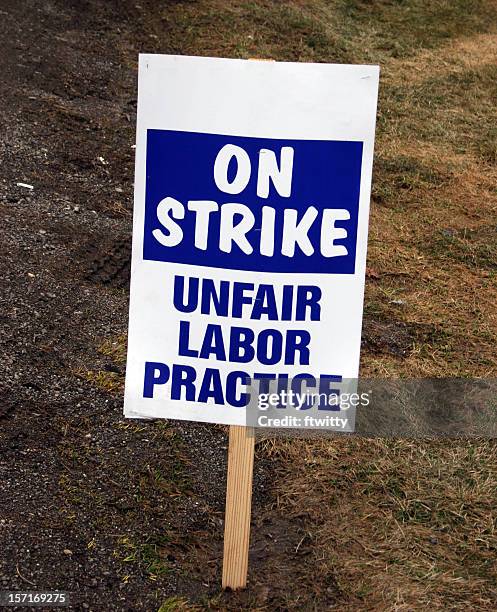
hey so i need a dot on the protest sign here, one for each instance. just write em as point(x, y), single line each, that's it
point(250, 229)
point(249, 245)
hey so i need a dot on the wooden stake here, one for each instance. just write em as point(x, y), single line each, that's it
point(238, 506)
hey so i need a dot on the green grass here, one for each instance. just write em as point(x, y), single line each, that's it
point(456, 110)
point(337, 30)
point(394, 176)
point(251, 29)
point(399, 28)
point(475, 248)
point(177, 604)
point(147, 555)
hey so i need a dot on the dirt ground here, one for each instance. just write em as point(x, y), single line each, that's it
point(128, 515)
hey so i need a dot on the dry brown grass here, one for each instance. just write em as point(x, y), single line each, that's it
point(401, 525)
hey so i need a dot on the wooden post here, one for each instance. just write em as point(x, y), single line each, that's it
point(238, 506)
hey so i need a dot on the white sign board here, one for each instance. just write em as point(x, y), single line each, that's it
point(250, 229)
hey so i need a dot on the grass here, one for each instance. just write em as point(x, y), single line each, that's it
point(336, 30)
point(396, 177)
point(399, 27)
point(147, 555)
point(115, 349)
point(177, 604)
point(262, 29)
point(397, 525)
point(401, 524)
point(108, 380)
point(111, 382)
point(476, 248)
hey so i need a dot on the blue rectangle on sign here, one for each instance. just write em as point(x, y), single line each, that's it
point(271, 205)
